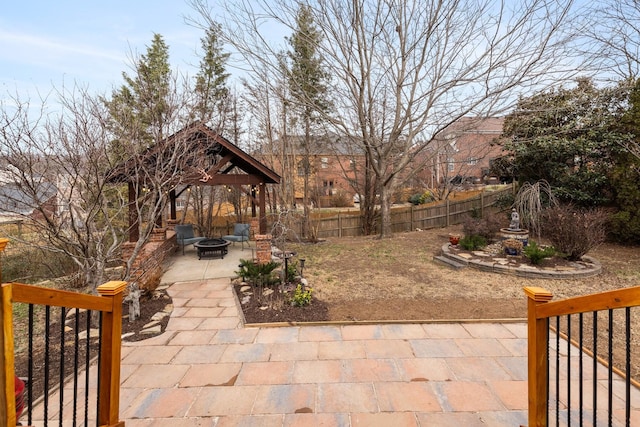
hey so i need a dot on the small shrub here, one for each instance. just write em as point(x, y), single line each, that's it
point(485, 227)
point(292, 271)
point(341, 200)
point(624, 227)
point(415, 199)
point(536, 254)
point(258, 274)
point(421, 198)
point(505, 200)
point(301, 297)
point(574, 231)
point(473, 242)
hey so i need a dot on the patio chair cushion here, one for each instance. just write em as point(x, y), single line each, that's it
point(186, 236)
point(240, 234)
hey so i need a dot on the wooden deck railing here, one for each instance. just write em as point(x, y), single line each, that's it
point(573, 386)
point(108, 304)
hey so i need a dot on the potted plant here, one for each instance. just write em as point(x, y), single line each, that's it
point(512, 246)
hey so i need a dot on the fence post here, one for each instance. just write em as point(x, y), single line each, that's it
point(482, 204)
point(537, 361)
point(109, 380)
point(448, 212)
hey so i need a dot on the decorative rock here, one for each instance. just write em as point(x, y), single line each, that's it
point(159, 316)
point(168, 308)
point(304, 282)
point(153, 330)
point(72, 313)
point(245, 288)
point(267, 292)
point(127, 335)
point(245, 300)
point(93, 333)
point(150, 324)
point(481, 254)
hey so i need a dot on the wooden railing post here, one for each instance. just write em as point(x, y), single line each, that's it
point(110, 355)
point(7, 391)
point(538, 364)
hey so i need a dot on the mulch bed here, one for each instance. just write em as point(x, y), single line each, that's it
point(276, 309)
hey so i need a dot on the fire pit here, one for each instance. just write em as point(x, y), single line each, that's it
point(211, 248)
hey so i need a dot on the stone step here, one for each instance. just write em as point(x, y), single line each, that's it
point(451, 263)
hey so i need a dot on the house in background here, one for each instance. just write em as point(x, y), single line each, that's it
point(334, 168)
point(461, 153)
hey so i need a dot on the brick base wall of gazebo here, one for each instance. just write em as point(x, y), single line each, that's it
point(147, 267)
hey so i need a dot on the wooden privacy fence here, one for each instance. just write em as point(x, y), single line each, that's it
point(442, 214)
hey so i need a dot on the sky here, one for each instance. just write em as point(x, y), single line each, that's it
point(46, 44)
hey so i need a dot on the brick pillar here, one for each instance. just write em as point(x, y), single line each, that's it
point(255, 227)
point(263, 248)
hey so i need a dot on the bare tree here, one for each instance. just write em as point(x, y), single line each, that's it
point(403, 71)
point(55, 179)
point(613, 29)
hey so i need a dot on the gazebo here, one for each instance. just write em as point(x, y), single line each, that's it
point(212, 160)
point(198, 156)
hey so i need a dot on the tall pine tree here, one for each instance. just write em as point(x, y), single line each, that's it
point(308, 82)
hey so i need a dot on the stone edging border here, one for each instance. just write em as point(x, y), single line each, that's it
point(529, 271)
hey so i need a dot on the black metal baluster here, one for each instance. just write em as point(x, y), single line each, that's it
point(47, 318)
point(581, 368)
point(568, 370)
point(62, 365)
point(627, 380)
point(610, 377)
point(76, 351)
point(557, 370)
point(87, 362)
point(99, 371)
point(30, 369)
point(595, 368)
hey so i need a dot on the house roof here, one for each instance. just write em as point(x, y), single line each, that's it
point(14, 200)
point(319, 145)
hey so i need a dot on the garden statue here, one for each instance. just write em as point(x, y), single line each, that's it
point(515, 220)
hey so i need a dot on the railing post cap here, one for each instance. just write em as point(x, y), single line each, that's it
point(538, 294)
point(111, 288)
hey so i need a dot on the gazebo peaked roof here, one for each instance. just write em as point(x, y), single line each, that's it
point(210, 159)
point(225, 159)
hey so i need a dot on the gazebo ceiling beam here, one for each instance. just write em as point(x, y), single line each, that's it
point(228, 179)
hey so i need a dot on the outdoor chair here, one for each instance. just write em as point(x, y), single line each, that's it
point(240, 234)
point(185, 236)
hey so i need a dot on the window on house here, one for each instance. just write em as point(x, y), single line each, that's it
point(451, 166)
point(324, 162)
point(472, 161)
